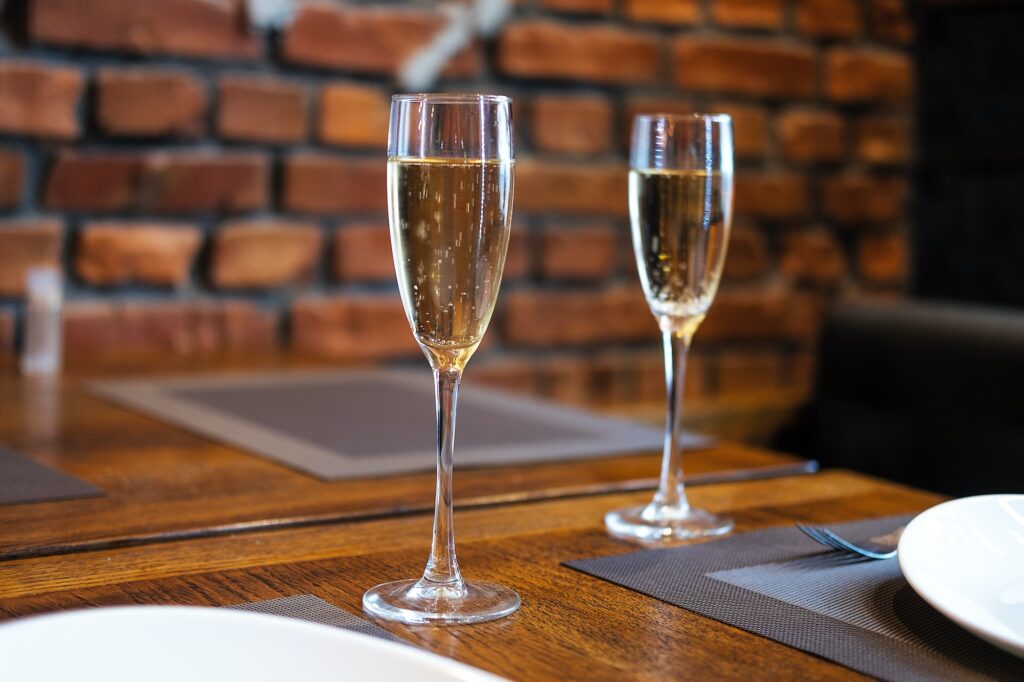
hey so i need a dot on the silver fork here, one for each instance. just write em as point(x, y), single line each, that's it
point(883, 547)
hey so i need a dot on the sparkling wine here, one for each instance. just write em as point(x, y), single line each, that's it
point(449, 227)
point(681, 223)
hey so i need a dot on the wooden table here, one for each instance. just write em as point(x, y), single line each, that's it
point(571, 625)
point(163, 483)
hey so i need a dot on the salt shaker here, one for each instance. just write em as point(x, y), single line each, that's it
point(41, 355)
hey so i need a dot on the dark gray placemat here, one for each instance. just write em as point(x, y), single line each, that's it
point(779, 584)
point(337, 425)
point(25, 480)
point(315, 610)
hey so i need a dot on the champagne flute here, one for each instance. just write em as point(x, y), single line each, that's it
point(680, 207)
point(450, 175)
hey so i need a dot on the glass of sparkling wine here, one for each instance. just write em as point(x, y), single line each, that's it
point(450, 175)
point(680, 207)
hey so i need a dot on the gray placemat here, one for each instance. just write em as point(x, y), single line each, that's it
point(315, 610)
point(337, 425)
point(25, 480)
point(779, 584)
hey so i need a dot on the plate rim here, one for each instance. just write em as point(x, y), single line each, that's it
point(464, 671)
point(1013, 646)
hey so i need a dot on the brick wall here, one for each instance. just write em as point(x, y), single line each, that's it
point(212, 188)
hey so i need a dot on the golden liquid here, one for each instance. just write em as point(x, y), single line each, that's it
point(449, 232)
point(681, 222)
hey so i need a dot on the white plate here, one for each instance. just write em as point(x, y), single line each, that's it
point(179, 644)
point(966, 558)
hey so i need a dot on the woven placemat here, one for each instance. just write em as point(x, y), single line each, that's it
point(779, 584)
point(25, 480)
point(352, 424)
point(315, 610)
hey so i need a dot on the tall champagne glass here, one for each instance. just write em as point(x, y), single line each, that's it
point(450, 174)
point(680, 207)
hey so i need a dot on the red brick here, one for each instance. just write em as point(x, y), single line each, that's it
point(592, 189)
point(191, 182)
point(549, 318)
point(580, 253)
point(261, 109)
point(771, 195)
point(749, 128)
point(318, 183)
point(571, 124)
point(143, 102)
point(362, 252)
point(38, 100)
point(578, 6)
point(807, 135)
point(12, 177)
point(851, 198)
point(649, 377)
point(672, 12)
point(519, 258)
point(352, 328)
point(513, 375)
point(883, 140)
point(882, 258)
point(194, 28)
point(747, 66)
point(749, 121)
point(367, 39)
point(601, 54)
point(93, 182)
point(26, 244)
point(611, 379)
point(603, 380)
point(179, 182)
point(747, 256)
point(259, 254)
point(567, 380)
point(828, 18)
point(354, 115)
point(748, 371)
point(124, 331)
point(153, 253)
point(889, 21)
point(744, 316)
point(813, 257)
point(747, 13)
point(862, 75)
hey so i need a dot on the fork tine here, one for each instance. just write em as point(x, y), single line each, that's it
point(841, 542)
point(808, 531)
point(850, 547)
point(816, 534)
point(829, 539)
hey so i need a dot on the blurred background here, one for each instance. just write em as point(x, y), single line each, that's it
point(209, 176)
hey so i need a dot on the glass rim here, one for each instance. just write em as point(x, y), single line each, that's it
point(450, 97)
point(715, 118)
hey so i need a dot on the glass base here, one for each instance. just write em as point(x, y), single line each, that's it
point(657, 524)
point(421, 601)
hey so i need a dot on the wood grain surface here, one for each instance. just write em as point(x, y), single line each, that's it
point(163, 483)
point(571, 626)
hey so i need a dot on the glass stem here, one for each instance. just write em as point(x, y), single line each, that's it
point(443, 567)
point(671, 495)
